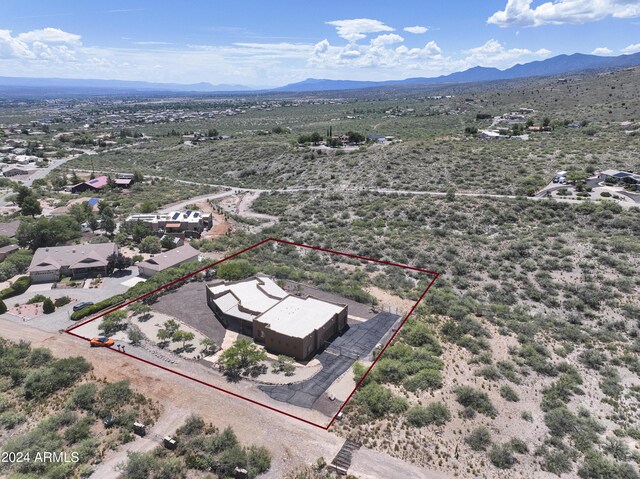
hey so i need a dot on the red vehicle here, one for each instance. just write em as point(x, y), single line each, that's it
point(101, 341)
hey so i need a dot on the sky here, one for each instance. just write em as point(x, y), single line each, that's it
point(261, 43)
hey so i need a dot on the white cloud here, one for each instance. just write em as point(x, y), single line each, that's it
point(520, 13)
point(357, 28)
point(633, 48)
point(49, 35)
point(417, 29)
point(49, 44)
point(151, 42)
point(602, 51)
point(494, 53)
point(388, 39)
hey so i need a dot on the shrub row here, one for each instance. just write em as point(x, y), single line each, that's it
point(18, 287)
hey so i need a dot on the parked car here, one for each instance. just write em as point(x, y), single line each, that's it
point(101, 341)
point(82, 305)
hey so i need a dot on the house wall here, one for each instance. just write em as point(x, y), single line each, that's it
point(44, 276)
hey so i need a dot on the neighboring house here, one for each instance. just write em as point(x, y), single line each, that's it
point(190, 222)
point(295, 326)
point(123, 182)
point(7, 250)
point(487, 135)
point(617, 176)
point(92, 185)
point(15, 172)
point(377, 138)
point(168, 259)
point(9, 229)
point(77, 261)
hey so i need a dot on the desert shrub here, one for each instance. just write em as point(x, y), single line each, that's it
point(10, 419)
point(508, 393)
point(476, 400)
point(258, 460)
point(592, 358)
point(116, 393)
point(435, 413)
point(57, 375)
point(62, 301)
point(502, 457)
point(79, 431)
point(518, 445)
point(611, 384)
point(84, 396)
point(596, 466)
point(479, 439)
point(112, 322)
point(192, 425)
point(556, 461)
point(40, 357)
point(377, 401)
point(489, 372)
point(235, 269)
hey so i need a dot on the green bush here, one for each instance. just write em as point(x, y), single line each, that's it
point(476, 400)
point(96, 308)
point(235, 269)
point(378, 401)
point(3, 307)
point(502, 457)
point(509, 394)
point(435, 413)
point(57, 375)
point(19, 286)
point(84, 396)
point(62, 301)
point(597, 466)
point(479, 439)
point(47, 306)
point(38, 298)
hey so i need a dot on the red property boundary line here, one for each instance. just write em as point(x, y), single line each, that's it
point(253, 401)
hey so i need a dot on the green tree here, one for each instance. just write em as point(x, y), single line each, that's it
point(109, 225)
point(182, 337)
point(40, 232)
point(147, 207)
point(31, 206)
point(138, 177)
point(3, 307)
point(150, 244)
point(210, 346)
point(118, 261)
point(135, 334)
point(112, 322)
point(242, 358)
point(315, 138)
point(47, 306)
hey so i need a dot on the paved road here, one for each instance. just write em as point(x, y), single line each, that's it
point(357, 342)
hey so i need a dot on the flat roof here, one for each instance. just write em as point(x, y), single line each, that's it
point(257, 294)
point(298, 317)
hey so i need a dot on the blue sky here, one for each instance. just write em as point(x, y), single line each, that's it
point(259, 43)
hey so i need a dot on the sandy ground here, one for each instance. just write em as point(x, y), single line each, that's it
point(171, 419)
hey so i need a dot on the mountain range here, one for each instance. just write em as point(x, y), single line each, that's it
point(558, 65)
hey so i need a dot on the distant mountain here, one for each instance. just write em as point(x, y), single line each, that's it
point(61, 83)
point(558, 65)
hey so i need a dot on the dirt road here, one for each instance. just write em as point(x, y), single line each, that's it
point(291, 442)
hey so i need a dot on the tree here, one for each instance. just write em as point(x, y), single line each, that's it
point(182, 337)
point(31, 206)
point(209, 344)
point(355, 137)
point(138, 177)
point(242, 358)
point(47, 306)
point(169, 328)
point(109, 225)
point(22, 192)
point(135, 334)
point(150, 244)
point(118, 261)
point(167, 242)
point(37, 233)
point(3, 307)
point(546, 121)
point(112, 322)
point(315, 138)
